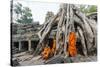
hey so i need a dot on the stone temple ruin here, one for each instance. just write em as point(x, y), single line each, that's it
point(25, 37)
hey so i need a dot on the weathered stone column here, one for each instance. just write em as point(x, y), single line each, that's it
point(20, 46)
point(29, 45)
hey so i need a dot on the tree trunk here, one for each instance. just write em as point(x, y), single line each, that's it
point(71, 19)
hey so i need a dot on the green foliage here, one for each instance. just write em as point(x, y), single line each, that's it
point(88, 9)
point(24, 14)
point(93, 9)
point(18, 9)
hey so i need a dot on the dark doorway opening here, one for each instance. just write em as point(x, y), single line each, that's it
point(24, 45)
point(50, 44)
point(16, 44)
point(34, 44)
point(15, 47)
point(79, 47)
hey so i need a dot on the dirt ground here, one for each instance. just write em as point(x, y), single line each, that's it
point(25, 59)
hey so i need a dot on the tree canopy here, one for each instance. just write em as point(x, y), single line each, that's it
point(88, 9)
point(24, 14)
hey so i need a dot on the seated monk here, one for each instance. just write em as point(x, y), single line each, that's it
point(46, 53)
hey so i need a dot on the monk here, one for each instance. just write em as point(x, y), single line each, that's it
point(72, 51)
point(46, 53)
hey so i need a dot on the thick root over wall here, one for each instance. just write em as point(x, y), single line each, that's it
point(74, 29)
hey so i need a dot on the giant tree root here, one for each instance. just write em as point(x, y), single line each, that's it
point(69, 19)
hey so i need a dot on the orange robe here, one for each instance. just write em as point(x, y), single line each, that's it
point(46, 53)
point(72, 51)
